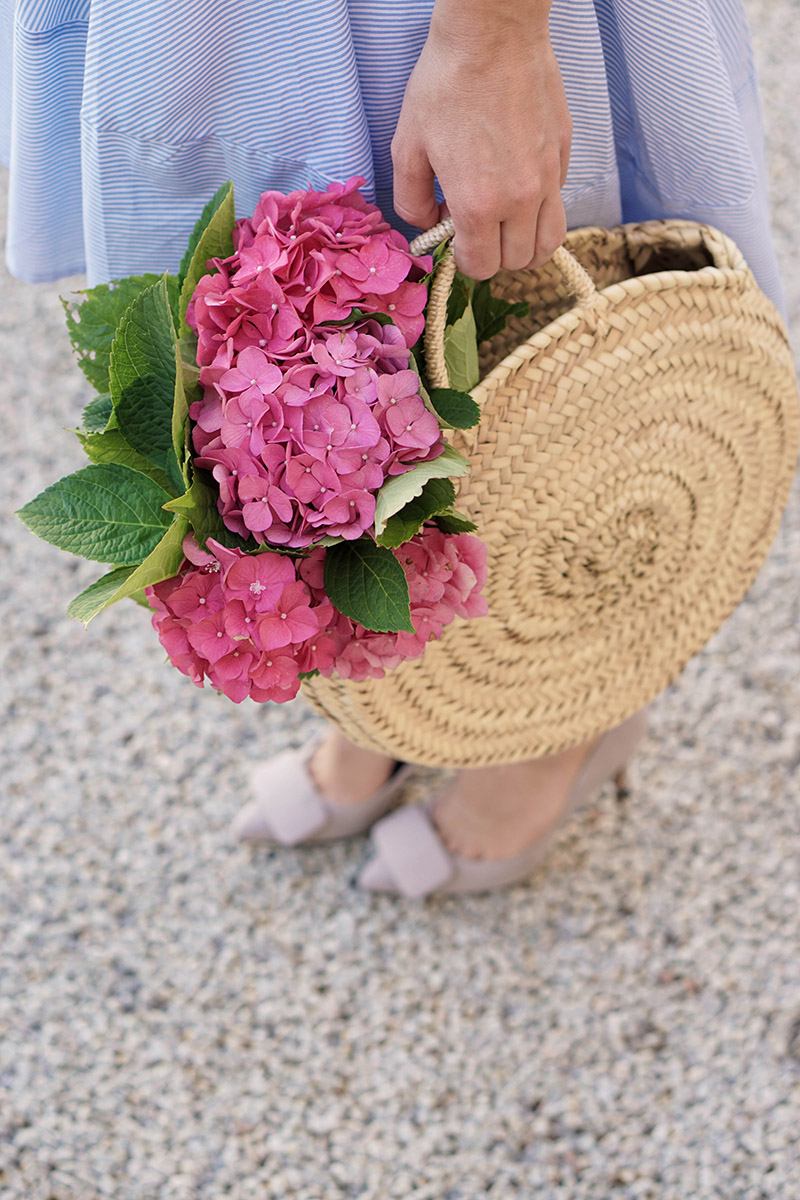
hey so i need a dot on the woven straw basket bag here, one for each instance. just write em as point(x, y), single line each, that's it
point(636, 449)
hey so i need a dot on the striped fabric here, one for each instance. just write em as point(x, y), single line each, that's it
point(119, 118)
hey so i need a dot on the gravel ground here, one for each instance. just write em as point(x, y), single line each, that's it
point(182, 1018)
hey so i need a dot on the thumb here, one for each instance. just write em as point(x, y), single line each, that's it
point(414, 196)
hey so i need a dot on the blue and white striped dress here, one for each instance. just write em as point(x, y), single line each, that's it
point(119, 118)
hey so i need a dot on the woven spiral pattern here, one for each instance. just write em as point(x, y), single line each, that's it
point(628, 475)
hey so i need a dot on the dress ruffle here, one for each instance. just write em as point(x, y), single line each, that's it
point(118, 126)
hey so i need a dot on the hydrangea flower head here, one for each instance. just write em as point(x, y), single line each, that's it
point(251, 624)
point(282, 384)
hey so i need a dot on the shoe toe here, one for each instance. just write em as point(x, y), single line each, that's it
point(251, 824)
point(375, 877)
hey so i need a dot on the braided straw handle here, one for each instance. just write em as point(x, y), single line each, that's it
point(579, 282)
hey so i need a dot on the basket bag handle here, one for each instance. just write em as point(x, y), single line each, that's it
point(577, 279)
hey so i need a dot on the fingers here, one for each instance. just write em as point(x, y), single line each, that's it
point(518, 241)
point(565, 148)
point(477, 246)
point(514, 227)
point(551, 229)
point(414, 196)
point(527, 240)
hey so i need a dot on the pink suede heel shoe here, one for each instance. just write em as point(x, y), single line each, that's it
point(288, 809)
point(411, 859)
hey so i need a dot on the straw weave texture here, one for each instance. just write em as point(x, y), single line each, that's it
point(628, 476)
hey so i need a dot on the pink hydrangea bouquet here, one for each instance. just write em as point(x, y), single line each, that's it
point(269, 472)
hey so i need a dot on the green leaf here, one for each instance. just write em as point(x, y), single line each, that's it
point(97, 414)
point(173, 296)
point(459, 298)
point(111, 447)
point(359, 314)
point(163, 562)
point(461, 352)
point(203, 221)
point(368, 585)
point(105, 513)
point(179, 432)
point(400, 489)
point(187, 354)
point(436, 496)
point(143, 376)
point(93, 323)
point(492, 313)
point(199, 506)
point(215, 241)
point(187, 390)
point(455, 410)
point(454, 522)
point(414, 364)
point(93, 599)
point(438, 254)
point(308, 674)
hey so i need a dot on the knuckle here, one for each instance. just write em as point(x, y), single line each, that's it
point(526, 192)
point(515, 262)
point(547, 245)
point(413, 216)
point(403, 153)
point(483, 205)
point(546, 249)
point(474, 262)
point(400, 155)
point(550, 164)
point(477, 271)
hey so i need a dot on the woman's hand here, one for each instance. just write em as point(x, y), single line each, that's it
point(485, 112)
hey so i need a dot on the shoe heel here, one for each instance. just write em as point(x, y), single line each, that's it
point(622, 782)
point(611, 758)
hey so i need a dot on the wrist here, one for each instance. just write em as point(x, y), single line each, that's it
point(486, 25)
